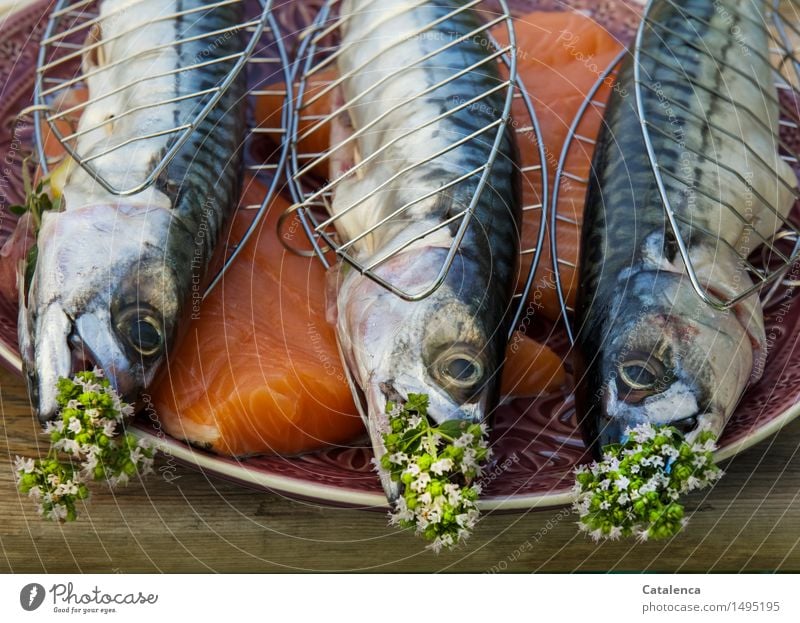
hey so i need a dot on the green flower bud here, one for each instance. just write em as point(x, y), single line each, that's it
point(469, 494)
point(425, 461)
point(475, 431)
point(675, 511)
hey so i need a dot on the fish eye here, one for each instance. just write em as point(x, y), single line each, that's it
point(642, 374)
point(142, 331)
point(460, 370)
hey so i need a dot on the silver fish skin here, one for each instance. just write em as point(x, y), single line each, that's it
point(650, 350)
point(115, 275)
point(450, 345)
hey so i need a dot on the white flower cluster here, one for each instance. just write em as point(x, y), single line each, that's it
point(87, 430)
point(635, 488)
point(52, 487)
point(436, 466)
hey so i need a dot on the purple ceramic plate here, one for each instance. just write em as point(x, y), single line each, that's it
point(536, 442)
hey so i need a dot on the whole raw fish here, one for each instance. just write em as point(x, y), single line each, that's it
point(115, 275)
point(451, 344)
point(650, 349)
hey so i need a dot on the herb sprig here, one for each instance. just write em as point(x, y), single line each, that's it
point(635, 489)
point(89, 433)
point(437, 466)
point(37, 197)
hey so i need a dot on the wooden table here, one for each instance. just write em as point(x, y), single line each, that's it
point(750, 521)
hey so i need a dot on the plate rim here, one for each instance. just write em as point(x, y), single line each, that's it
point(320, 492)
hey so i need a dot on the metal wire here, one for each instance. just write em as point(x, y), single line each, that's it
point(271, 51)
point(773, 271)
point(778, 253)
point(573, 136)
point(68, 39)
point(313, 198)
point(265, 60)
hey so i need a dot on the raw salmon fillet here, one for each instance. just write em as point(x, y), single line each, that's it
point(259, 371)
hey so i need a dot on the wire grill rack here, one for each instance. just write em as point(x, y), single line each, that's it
point(773, 259)
point(75, 29)
point(60, 72)
point(313, 196)
point(577, 136)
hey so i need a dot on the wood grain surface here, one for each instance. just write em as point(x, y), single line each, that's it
point(188, 522)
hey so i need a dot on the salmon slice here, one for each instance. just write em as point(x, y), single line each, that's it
point(530, 369)
point(259, 371)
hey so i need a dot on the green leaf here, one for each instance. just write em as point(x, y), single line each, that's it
point(453, 428)
point(30, 266)
point(417, 403)
point(44, 203)
point(19, 210)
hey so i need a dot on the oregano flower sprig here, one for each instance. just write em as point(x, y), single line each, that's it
point(437, 467)
point(88, 443)
point(635, 489)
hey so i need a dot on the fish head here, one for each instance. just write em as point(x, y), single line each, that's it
point(101, 295)
point(444, 346)
point(663, 356)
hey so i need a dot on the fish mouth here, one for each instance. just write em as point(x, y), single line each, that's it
point(377, 422)
point(372, 405)
point(61, 351)
point(614, 430)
